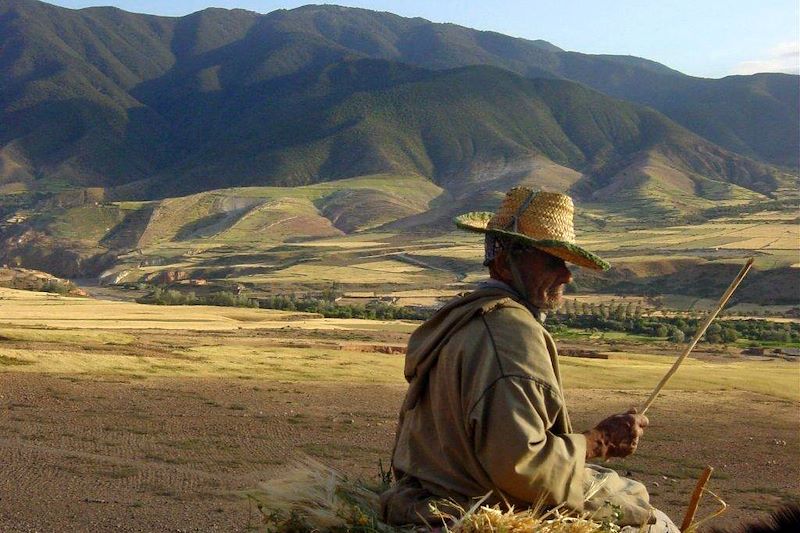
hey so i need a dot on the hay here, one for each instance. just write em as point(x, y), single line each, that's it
point(313, 497)
point(482, 518)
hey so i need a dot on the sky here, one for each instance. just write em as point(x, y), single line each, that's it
point(707, 38)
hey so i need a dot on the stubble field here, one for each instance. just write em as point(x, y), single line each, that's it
point(120, 416)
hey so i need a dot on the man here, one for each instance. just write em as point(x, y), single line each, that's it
point(484, 411)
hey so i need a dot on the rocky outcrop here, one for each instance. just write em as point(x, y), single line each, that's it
point(166, 277)
point(34, 280)
point(29, 248)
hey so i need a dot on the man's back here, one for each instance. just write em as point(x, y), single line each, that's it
point(487, 414)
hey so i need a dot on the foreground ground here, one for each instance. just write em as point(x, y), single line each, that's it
point(164, 424)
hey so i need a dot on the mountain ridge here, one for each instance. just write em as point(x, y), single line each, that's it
point(105, 97)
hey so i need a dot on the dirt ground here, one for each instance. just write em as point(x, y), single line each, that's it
point(175, 454)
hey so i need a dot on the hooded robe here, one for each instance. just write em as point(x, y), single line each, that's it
point(484, 412)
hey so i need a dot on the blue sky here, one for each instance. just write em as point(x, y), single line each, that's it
point(709, 38)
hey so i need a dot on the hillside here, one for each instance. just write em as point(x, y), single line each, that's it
point(752, 115)
point(334, 116)
point(104, 97)
point(389, 233)
point(323, 144)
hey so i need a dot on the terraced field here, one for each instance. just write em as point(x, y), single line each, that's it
point(384, 233)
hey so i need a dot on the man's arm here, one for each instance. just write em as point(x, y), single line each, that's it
point(525, 460)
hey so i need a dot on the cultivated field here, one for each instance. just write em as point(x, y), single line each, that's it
point(387, 233)
point(133, 417)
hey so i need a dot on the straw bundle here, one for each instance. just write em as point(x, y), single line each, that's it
point(313, 497)
point(483, 518)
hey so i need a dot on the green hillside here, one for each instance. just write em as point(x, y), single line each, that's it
point(103, 97)
point(448, 126)
point(752, 115)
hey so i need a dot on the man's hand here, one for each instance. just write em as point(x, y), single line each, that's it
point(616, 436)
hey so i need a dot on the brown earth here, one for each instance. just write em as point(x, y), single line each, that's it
point(89, 454)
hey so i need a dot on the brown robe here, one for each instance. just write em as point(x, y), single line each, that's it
point(485, 412)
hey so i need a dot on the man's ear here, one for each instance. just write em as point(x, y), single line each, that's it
point(499, 269)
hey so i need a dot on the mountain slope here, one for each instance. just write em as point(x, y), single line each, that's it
point(733, 112)
point(365, 117)
point(65, 82)
point(220, 98)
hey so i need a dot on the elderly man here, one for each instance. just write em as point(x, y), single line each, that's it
point(484, 411)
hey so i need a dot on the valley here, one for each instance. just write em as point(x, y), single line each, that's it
point(219, 230)
point(388, 233)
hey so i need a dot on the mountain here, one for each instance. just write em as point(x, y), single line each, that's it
point(752, 115)
point(157, 106)
point(366, 117)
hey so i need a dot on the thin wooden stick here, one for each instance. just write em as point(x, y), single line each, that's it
point(695, 501)
point(722, 301)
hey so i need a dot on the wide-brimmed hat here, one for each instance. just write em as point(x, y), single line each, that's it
point(537, 218)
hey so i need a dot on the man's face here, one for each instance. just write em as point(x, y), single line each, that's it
point(543, 276)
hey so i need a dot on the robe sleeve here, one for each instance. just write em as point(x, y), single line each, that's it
point(524, 459)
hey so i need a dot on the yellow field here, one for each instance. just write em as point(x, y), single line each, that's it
point(60, 316)
point(388, 267)
point(80, 335)
point(772, 237)
point(641, 372)
point(317, 273)
point(458, 252)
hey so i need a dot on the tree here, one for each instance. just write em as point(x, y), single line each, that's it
point(676, 335)
point(330, 294)
point(714, 334)
point(729, 335)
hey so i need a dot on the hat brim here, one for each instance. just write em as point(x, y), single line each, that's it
point(478, 221)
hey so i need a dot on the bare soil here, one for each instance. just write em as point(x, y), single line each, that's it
point(90, 454)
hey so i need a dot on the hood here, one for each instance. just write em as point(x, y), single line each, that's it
point(426, 342)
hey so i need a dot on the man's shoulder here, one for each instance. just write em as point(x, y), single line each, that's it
point(497, 313)
point(485, 298)
point(520, 344)
point(512, 317)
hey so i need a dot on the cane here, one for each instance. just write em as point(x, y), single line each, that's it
point(722, 301)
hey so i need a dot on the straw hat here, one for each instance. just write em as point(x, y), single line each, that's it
point(540, 219)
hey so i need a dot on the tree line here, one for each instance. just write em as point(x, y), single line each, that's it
point(161, 296)
point(323, 304)
point(625, 317)
point(374, 310)
point(629, 318)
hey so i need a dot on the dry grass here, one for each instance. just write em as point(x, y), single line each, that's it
point(360, 273)
point(80, 335)
point(219, 361)
point(632, 371)
point(388, 267)
point(26, 309)
point(314, 497)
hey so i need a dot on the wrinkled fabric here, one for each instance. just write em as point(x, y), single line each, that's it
point(605, 491)
point(485, 413)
